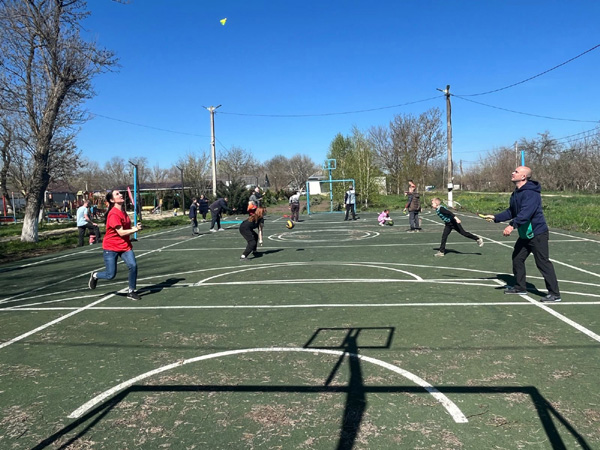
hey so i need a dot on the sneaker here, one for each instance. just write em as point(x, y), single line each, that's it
point(514, 290)
point(551, 298)
point(213, 230)
point(221, 229)
point(480, 242)
point(243, 258)
point(93, 281)
point(133, 296)
point(382, 225)
point(439, 254)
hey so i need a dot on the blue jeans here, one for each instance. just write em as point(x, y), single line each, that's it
point(110, 260)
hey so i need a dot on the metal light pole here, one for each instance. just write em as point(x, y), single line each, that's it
point(213, 151)
point(135, 198)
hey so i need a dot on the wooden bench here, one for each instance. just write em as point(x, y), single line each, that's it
point(58, 215)
point(7, 219)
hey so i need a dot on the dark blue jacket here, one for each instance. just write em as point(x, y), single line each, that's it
point(525, 211)
point(203, 205)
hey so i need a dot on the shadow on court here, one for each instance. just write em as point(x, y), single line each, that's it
point(356, 391)
point(510, 281)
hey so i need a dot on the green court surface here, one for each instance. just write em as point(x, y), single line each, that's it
point(339, 335)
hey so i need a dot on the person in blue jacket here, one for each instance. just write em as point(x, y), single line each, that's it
point(526, 216)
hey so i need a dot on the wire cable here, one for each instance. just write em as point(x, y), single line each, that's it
point(148, 126)
point(535, 76)
point(524, 113)
point(332, 113)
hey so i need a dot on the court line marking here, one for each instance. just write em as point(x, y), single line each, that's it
point(559, 316)
point(448, 404)
point(55, 321)
point(298, 306)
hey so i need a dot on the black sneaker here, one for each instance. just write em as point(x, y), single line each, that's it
point(513, 290)
point(133, 296)
point(550, 298)
point(93, 281)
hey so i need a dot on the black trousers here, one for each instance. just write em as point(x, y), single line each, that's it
point(194, 225)
point(349, 208)
point(251, 237)
point(93, 229)
point(454, 226)
point(216, 218)
point(295, 208)
point(538, 245)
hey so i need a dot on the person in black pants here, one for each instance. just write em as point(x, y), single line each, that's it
point(203, 206)
point(254, 222)
point(452, 223)
point(526, 215)
point(194, 216)
point(216, 209)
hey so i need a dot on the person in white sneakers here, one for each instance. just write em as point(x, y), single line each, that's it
point(452, 223)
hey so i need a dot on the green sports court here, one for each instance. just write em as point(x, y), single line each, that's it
point(339, 335)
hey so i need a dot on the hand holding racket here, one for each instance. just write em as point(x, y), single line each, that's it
point(488, 217)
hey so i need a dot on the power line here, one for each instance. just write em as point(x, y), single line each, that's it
point(535, 76)
point(524, 113)
point(331, 113)
point(148, 126)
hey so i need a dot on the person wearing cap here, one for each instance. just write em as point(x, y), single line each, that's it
point(350, 202)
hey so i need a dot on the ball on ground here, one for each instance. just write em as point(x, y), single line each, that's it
point(289, 224)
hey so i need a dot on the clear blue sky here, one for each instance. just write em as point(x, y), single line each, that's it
point(311, 57)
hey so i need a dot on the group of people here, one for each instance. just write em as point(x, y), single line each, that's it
point(524, 214)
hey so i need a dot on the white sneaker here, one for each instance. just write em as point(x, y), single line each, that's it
point(480, 242)
point(213, 231)
point(381, 225)
point(221, 229)
point(439, 254)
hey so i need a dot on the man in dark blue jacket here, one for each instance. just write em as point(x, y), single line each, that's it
point(526, 215)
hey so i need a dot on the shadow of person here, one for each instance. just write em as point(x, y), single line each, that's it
point(449, 250)
point(510, 281)
point(259, 254)
point(155, 288)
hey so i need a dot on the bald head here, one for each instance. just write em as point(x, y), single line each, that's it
point(521, 175)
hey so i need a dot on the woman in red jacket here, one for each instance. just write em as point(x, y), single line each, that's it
point(117, 243)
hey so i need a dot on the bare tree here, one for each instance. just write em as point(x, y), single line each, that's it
point(278, 170)
point(47, 73)
point(195, 171)
point(6, 142)
point(236, 162)
point(300, 168)
point(117, 172)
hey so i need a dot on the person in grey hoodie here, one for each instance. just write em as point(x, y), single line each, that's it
point(527, 217)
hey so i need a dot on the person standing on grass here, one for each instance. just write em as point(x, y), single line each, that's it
point(203, 206)
point(526, 215)
point(194, 216)
point(452, 223)
point(85, 223)
point(247, 227)
point(413, 206)
point(117, 243)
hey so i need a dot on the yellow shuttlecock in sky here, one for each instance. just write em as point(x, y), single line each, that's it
point(223, 21)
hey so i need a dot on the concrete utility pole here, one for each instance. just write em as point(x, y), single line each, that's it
point(182, 191)
point(449, 139)
point(516, 154)
point(213, 151)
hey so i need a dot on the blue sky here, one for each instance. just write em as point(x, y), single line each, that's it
point(309, 57)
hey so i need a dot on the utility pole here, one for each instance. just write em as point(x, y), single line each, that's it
point(449, 139)
point(516, 154)
point(213, 151)
point(182, 191)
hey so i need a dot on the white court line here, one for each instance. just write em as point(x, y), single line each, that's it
point(299, 306)
point(450, 406)
point(60, 319)
point(559, 316)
